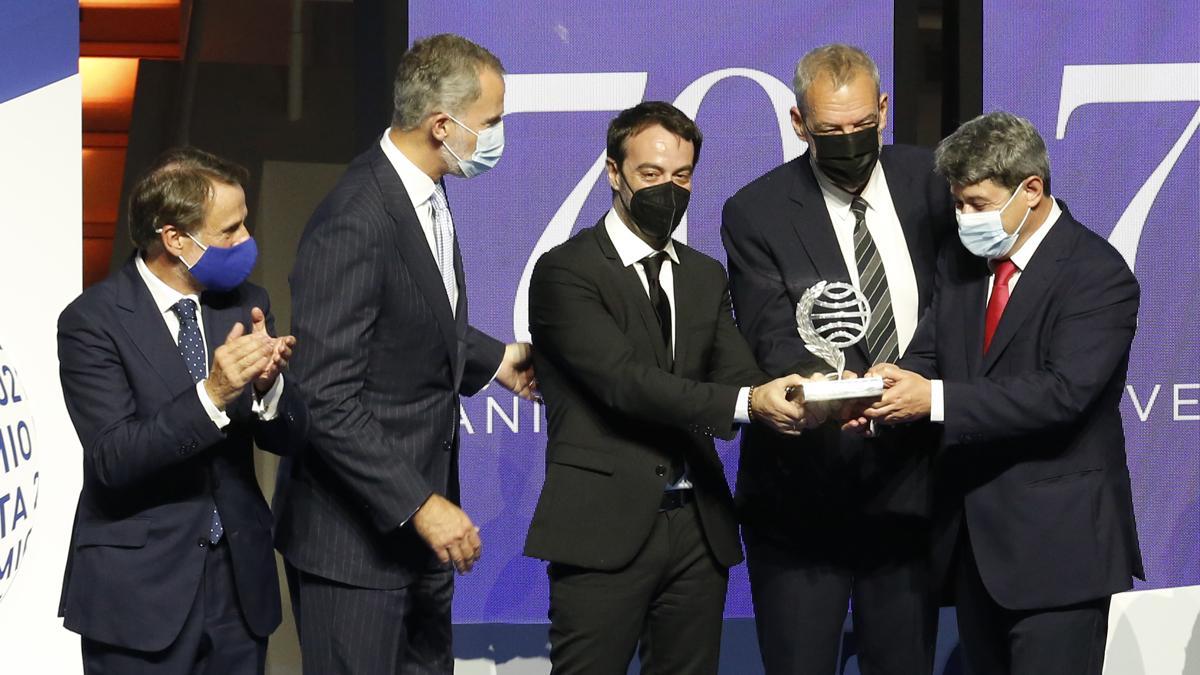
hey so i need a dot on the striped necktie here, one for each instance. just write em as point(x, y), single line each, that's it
point(882, 341)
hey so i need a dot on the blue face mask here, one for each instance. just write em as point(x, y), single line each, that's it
point(224, 269)
point(488, 149)
point(982, 232)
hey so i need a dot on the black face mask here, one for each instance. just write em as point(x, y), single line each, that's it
point(658, 209)
point(848, 159)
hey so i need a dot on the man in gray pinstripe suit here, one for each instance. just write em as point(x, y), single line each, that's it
point(367, 514)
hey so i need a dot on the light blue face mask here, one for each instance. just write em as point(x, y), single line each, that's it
point(982, 232)
point(488, 148)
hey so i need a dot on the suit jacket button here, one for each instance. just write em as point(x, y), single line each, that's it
point(447, 445)
point(202, 542)
point(660, 470)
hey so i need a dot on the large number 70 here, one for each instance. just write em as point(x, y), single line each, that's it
point(599, 92)
point(1133, 83)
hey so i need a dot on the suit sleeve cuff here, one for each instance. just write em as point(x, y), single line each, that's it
point(937, 403)
point(267, 407)
point(218, 416)
point(741, 407)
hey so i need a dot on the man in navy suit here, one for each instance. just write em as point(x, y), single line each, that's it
point(369, 520)
point(1021, 361)
point(829, 517)
point(171, 376)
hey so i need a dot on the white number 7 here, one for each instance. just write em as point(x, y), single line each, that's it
point(1134, 83)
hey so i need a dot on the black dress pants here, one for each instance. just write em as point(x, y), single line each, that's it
point(667, 604)
point(802, 589)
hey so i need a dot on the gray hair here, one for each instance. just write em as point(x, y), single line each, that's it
point(438, 74)
point(839, 62)
point(999, 146)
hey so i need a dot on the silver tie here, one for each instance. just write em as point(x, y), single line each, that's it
point(443, 239)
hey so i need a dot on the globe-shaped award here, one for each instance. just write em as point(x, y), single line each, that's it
point(833, 316)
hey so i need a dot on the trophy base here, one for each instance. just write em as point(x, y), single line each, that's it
point(840, 390)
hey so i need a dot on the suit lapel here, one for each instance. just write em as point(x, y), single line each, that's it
point(909, 202)
point(813, 225)
point(974, 309)
point(1035, 280)
point(815, 229)
point(147, 330)
point(685, 310)
point(413, 247)
point(631, 289)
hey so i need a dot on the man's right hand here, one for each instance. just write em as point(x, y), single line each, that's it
point(235, 364)
point(449, 532)
point(779, 404)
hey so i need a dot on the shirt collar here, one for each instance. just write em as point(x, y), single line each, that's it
point(417, 183)
point(839, 200)
point(164, 296)
point(1022, 257)
point(630, 248)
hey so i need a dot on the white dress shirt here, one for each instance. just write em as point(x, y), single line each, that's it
point(937, 402)
point(419, 187)
point(632, 250)
point(884, 226)
point(266, 407)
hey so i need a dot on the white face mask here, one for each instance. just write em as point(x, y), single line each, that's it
point(982, 232)
point(488, 149)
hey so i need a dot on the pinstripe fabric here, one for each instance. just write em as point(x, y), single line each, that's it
point(882, 341)
point(382, 363)
point(418, 638)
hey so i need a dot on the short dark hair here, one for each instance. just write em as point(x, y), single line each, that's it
point(647, 114)
point(997, 146)
point(176, 190)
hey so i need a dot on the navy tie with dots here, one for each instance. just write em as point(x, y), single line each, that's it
point(191, 347)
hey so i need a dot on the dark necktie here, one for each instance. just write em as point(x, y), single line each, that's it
point(882, 341)
point(191, 347)
point(652, 264)
point(999, 300)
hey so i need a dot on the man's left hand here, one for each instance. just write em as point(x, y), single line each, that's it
point(906, 399)
point(516, 371)
point(281, 352)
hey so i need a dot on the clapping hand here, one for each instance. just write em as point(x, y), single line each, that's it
point(280, 347)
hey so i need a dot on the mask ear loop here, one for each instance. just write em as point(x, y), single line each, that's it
point(181, 258)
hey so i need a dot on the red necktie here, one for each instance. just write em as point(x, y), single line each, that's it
point(995, 307)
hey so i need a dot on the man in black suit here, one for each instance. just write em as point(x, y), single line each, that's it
point(1021, 361)
point(367, 515)
point(829, 517)
point(641, 366)
point(170, 374)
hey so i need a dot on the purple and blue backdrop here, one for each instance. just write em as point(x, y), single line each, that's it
point(1114, 88)
point(571, 66)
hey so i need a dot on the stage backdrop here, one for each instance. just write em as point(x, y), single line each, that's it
point(571, 66)
point(1114, 88)
point(40, 259)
